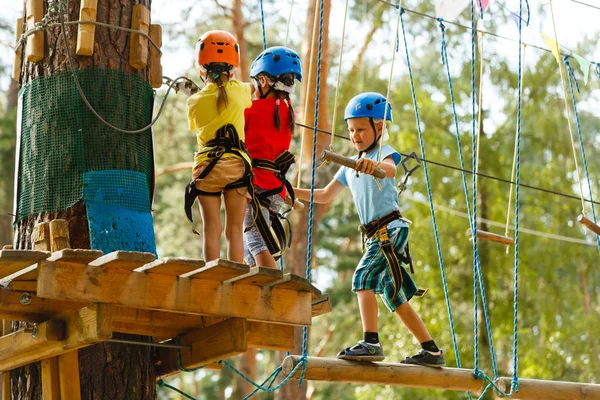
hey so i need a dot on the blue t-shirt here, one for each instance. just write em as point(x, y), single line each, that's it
point(372, 203)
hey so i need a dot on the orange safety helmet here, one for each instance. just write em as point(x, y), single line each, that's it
point(217, 47)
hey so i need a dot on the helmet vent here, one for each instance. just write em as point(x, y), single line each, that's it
point(370, 106)
point(276, 57)
point(377, 101)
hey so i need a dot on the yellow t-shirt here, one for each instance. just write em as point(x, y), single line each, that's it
point(204, 117)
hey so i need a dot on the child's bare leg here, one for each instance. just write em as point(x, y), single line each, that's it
point(210, 208)
point(265, 259)
point(235, 209)
point(413, 322)
point(367, 302)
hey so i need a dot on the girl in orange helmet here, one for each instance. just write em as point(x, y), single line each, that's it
point(221, 165)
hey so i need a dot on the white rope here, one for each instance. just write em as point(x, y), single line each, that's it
point(339, 74)
point(287, 31)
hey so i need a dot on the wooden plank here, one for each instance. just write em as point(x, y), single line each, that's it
point(172, 266)
point(218, 270)
point(34, 49)
point(169, 293)
point(129, 260)
point(12, 261)
point(335, 370)
point(213, 343)
point(550, 390)
point(6, 385)
point(138, 44)
point(589, 224)
point(68, 375)
point(40, 237)
point(296, 282)
point(59, 235)
point(18, 60)
point(77, 257)
point(23, 286)
point(25, 274)
point(84, 327)
point(50, 381)
point(155, 71)
point(259, 276)
point(321, 306)
point(86, 32)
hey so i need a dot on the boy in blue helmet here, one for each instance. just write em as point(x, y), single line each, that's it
point(269, 128)
point(380, 270)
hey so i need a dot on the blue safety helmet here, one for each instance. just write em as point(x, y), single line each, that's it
point(277, 60)
point(368, 105)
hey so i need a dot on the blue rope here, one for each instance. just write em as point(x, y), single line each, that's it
point(515, 377)
point(598, 70)
point(430, 196)
point(585, 166)
point(162, 383)
point(262, 21)
point(477, 275)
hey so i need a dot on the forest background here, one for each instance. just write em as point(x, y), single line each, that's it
point(559, 281)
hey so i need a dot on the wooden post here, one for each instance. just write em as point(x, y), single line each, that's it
point(550, 390)
point(50, 384)
point(5, 328)
point(34, 51)
point(16, 72)
point(59, 235)
point(40, 237)
point(348, 162)
point(334, 370)
point(138, 47)
point(68, 375)
point(589, 224)
point(155, 73)
point(86, 32)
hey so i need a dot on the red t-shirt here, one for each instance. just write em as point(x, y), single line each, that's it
point(263, 140)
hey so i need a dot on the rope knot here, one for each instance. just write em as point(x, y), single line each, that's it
point(160, 383)
point(478, 374)
point(402, 10)
point(514, 385)
point(441, 22)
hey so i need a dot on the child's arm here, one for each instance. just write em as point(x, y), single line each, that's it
point(322, 196)
point(367, 166)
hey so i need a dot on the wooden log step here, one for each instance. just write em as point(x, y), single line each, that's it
point(218, 270)
point(129, 260)
point(12, 261)
point(172, 266)
point(335, 370)
point(589, 224)
point(295, 282)
point(534, 389)
point(492, 237)
point(321, 306)
point(259, 276)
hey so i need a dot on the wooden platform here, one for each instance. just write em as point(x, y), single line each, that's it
point(161, 298)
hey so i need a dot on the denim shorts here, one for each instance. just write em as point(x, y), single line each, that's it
point(253, 241)
point(373, 272)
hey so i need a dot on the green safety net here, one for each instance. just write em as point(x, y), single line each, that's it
point(61, 139)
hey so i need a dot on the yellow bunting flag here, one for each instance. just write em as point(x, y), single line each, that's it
point(553, 46)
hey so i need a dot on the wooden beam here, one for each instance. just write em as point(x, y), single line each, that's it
point(172, 266)
point(321, 306)
point(68, 375)
point(550, 390)
point(12, 261)
point(50, 381)
point(270, 336)
point(213, 343)
point(334, 370)
point(169, 293)
point(492, 237)
point(129, 260)
point(259, 276)
point(218, 270)
point(589, 224)
point(84, 327)
point(33, 308)
point(27, 341)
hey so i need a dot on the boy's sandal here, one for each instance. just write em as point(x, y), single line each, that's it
point(362, 351)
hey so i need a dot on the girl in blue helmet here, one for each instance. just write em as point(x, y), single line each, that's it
point(380, 270)
point(269, 126)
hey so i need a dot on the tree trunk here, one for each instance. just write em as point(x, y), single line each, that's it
point(107, 371)
point(8, 157)
point(296, 256)
point(238, 25)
